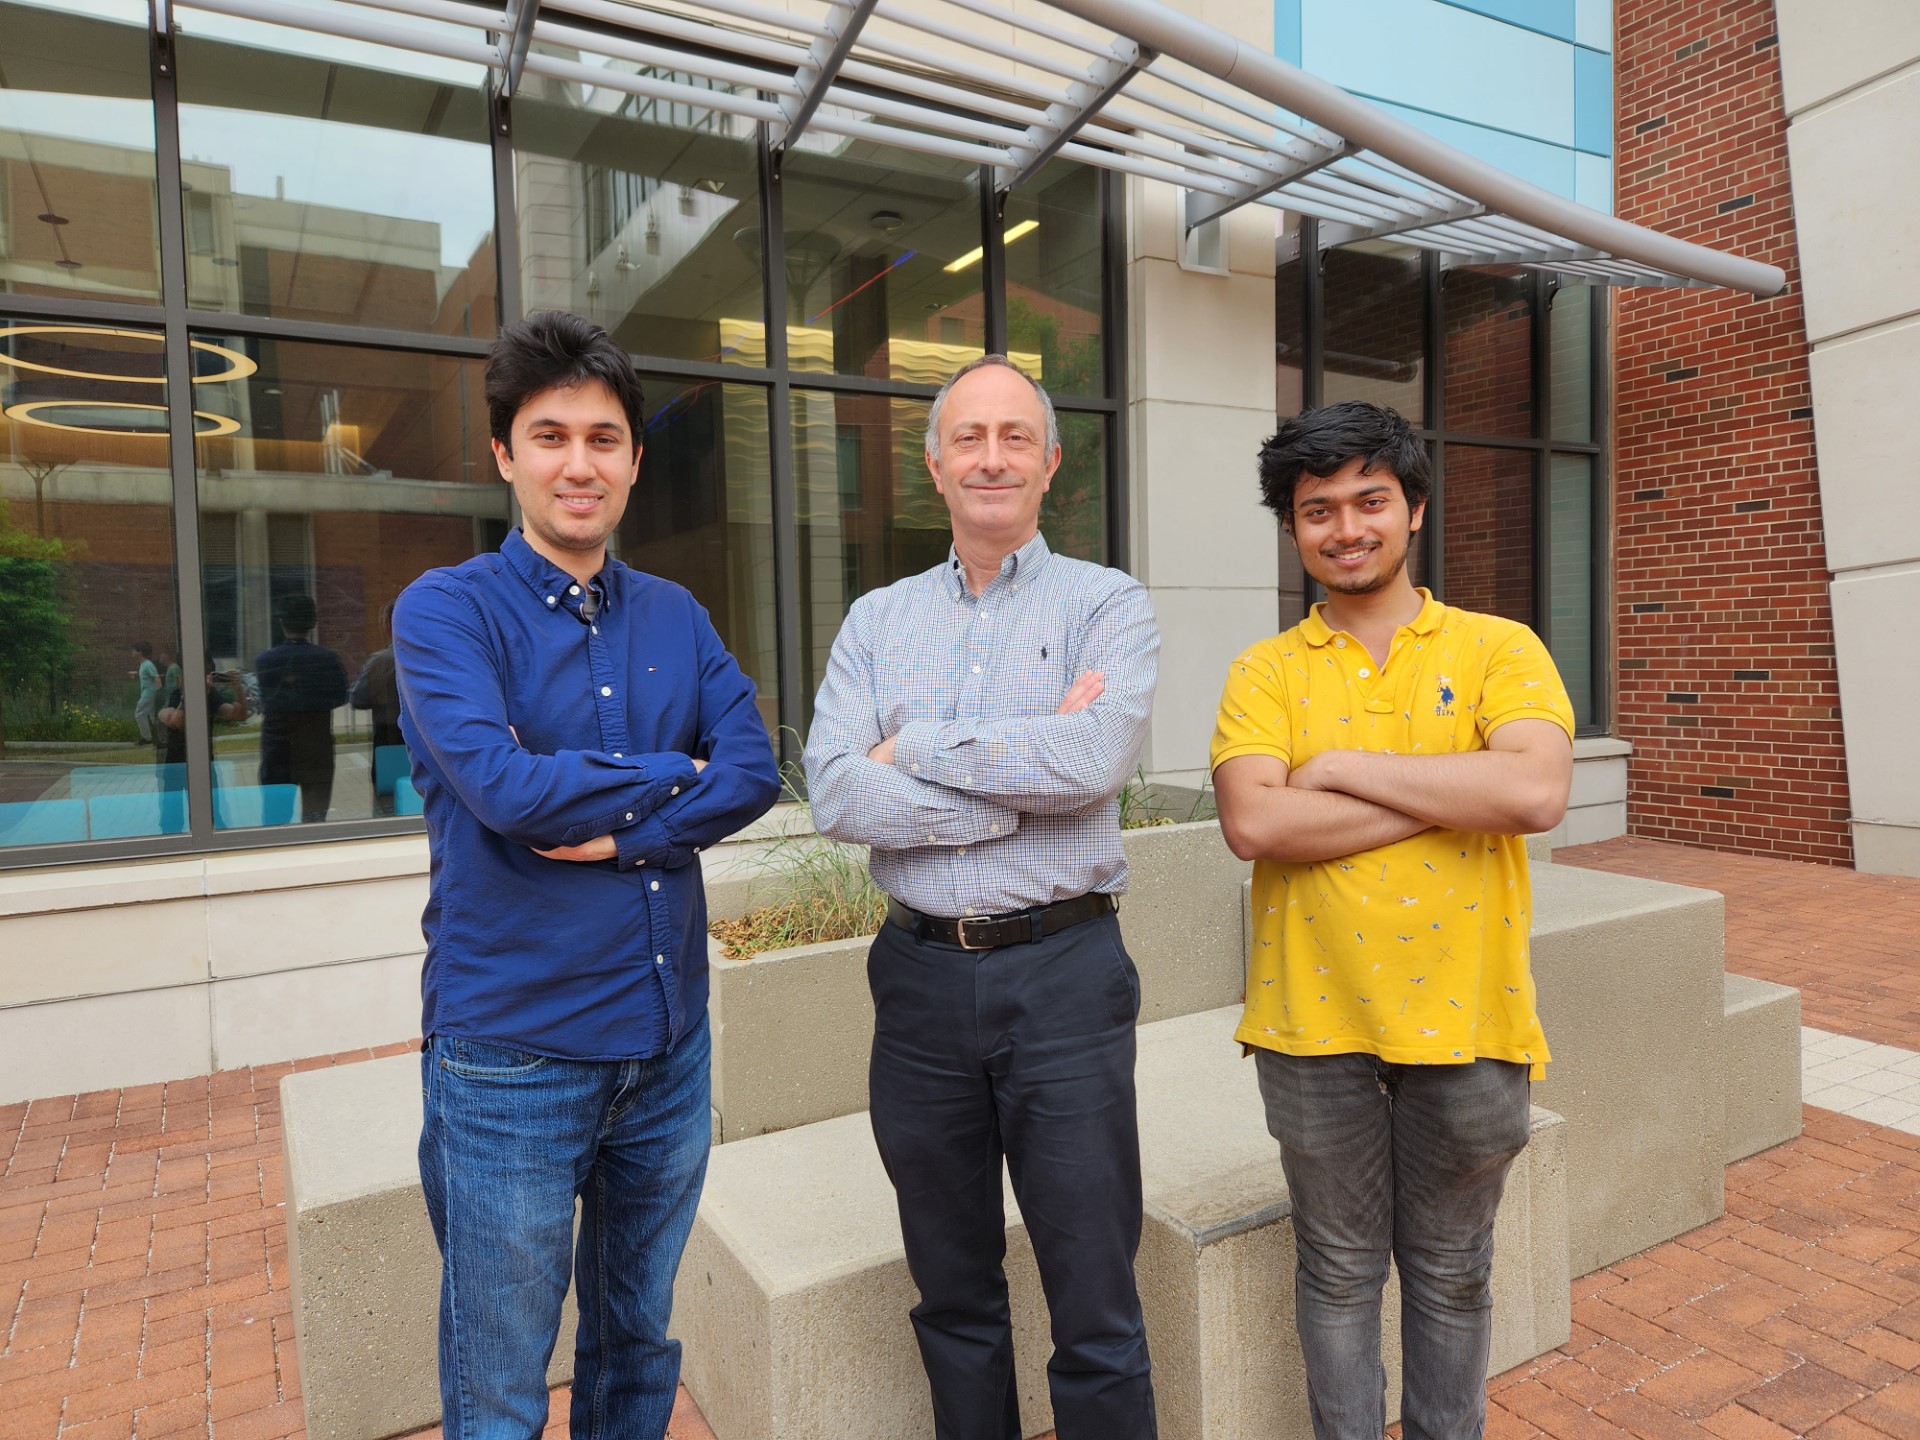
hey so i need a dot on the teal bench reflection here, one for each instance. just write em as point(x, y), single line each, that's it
point(406, 799)
point(42, 822)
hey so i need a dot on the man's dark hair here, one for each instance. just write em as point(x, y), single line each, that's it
point(144, 649)
point(1318, 442)
point(298, 613)
point(553, 349)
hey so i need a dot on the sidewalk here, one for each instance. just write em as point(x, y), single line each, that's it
point(143, 1284)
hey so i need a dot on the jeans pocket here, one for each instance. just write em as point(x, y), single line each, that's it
point(486, 1060)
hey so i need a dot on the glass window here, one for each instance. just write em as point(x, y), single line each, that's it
point(330, 477)
point(1054, 273)
point(641, 215)
point(883, 262)
point(701, 515)
point(1570, 579)
point(868, 512)
point(77, 212)
point(1488, 561)
point(331, 180)
point(1073, 517)
point(1571, 341)
point(1374, 330)
point(1489, 351)
point(89, 648)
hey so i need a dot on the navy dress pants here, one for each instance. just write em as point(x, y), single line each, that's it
point(1024, 1051)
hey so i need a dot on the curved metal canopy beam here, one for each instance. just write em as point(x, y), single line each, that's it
point(1215, 53)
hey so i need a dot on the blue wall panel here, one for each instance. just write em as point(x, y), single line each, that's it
point(1592, 101)
point(1549, 17)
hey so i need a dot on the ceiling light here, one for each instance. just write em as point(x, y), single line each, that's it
point(68, 264)
point(28, 413)
point(238, 366)
point(226, 261)
point(886, 221)
point(1007, 237)
point(50, 218)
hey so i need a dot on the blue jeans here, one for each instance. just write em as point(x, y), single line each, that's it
point(1407, 1161)
point(509, 1140)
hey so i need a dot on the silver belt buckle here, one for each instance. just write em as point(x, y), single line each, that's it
point(961, 924)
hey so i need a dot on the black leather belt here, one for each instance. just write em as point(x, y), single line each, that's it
point(985, 932)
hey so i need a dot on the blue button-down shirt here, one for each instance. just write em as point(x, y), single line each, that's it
point(532, 727)
point(994, 802)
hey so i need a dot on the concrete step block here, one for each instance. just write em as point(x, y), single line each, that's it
point(360, 1250)
point(1762, 1077)
point(794, 1296)
point(1630, 992)
point(792, 1028)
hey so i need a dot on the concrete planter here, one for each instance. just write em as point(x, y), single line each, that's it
point(791, 1028)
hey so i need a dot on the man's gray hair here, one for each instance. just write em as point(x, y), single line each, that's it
point(1046, 402)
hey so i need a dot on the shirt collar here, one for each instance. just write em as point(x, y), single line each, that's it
point(1023, 564)
point(1316, 631)
point(552, 586)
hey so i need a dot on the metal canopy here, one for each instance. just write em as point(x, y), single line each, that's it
point(1128, 85)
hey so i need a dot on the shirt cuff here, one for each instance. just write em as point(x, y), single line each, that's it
point(645, 843)
point(913, 748)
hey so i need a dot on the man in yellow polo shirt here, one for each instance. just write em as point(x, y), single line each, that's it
point(1381, 763)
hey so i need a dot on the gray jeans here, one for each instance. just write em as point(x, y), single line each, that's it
point(1406, 1161)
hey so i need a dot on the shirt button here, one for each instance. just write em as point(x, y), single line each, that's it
point(966, 779)
point(696, 849)
point(618, 756)
point(553, 599)
point(573, 589)
point(594, 628)
point(653, 884)
point(1365, 674)
point(976, 669)
point(641, 861)
point(1340, 642)
point(629, 814)
point(674, 791)
point(659, 959)
point(606, 690)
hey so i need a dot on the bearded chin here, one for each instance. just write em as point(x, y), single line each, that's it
point(1378, 583)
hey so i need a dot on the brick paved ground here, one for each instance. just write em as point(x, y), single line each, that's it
point(1850, 942)
point(143, 1285)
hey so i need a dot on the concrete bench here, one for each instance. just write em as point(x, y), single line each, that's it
point(794, 1294)
point(1762, 1090)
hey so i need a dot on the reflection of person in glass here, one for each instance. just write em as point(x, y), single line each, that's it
point(301, 685)
point(148, 675)
point(579, 734)
point(377, 689)
point(226, 700)
point(975, 725)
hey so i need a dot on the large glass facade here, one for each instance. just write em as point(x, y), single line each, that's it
point(1499, 369)
point(201, 539)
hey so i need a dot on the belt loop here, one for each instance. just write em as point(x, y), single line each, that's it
point(1033, 918)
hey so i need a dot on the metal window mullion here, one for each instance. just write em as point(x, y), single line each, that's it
point(1113, 331)
point(271, 327)
point(993, 262)
point(506, 224)
point(1433, 340)
point(786, 490)
point(1600, 380)
point(180, 443)
point(1539, 376)
point(1313, 377)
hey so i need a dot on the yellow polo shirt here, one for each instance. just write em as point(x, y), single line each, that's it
point(1418, 951)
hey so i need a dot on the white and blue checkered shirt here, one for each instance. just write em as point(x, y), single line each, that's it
point(994, 802)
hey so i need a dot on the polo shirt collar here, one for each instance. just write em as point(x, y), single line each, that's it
point(548, 582)
point(1316, 631)
point(1022, 565)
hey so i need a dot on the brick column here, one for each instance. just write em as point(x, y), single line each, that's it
point(1727, 684)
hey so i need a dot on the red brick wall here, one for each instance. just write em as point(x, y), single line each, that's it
point(1727, 686)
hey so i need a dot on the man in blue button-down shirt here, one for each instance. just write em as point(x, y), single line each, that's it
point(578, 734)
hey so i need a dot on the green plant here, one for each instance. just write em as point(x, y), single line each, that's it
point(76, 722)
point(815, 889)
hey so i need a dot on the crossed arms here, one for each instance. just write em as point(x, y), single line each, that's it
point(1343, 801)
point(971, 779)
